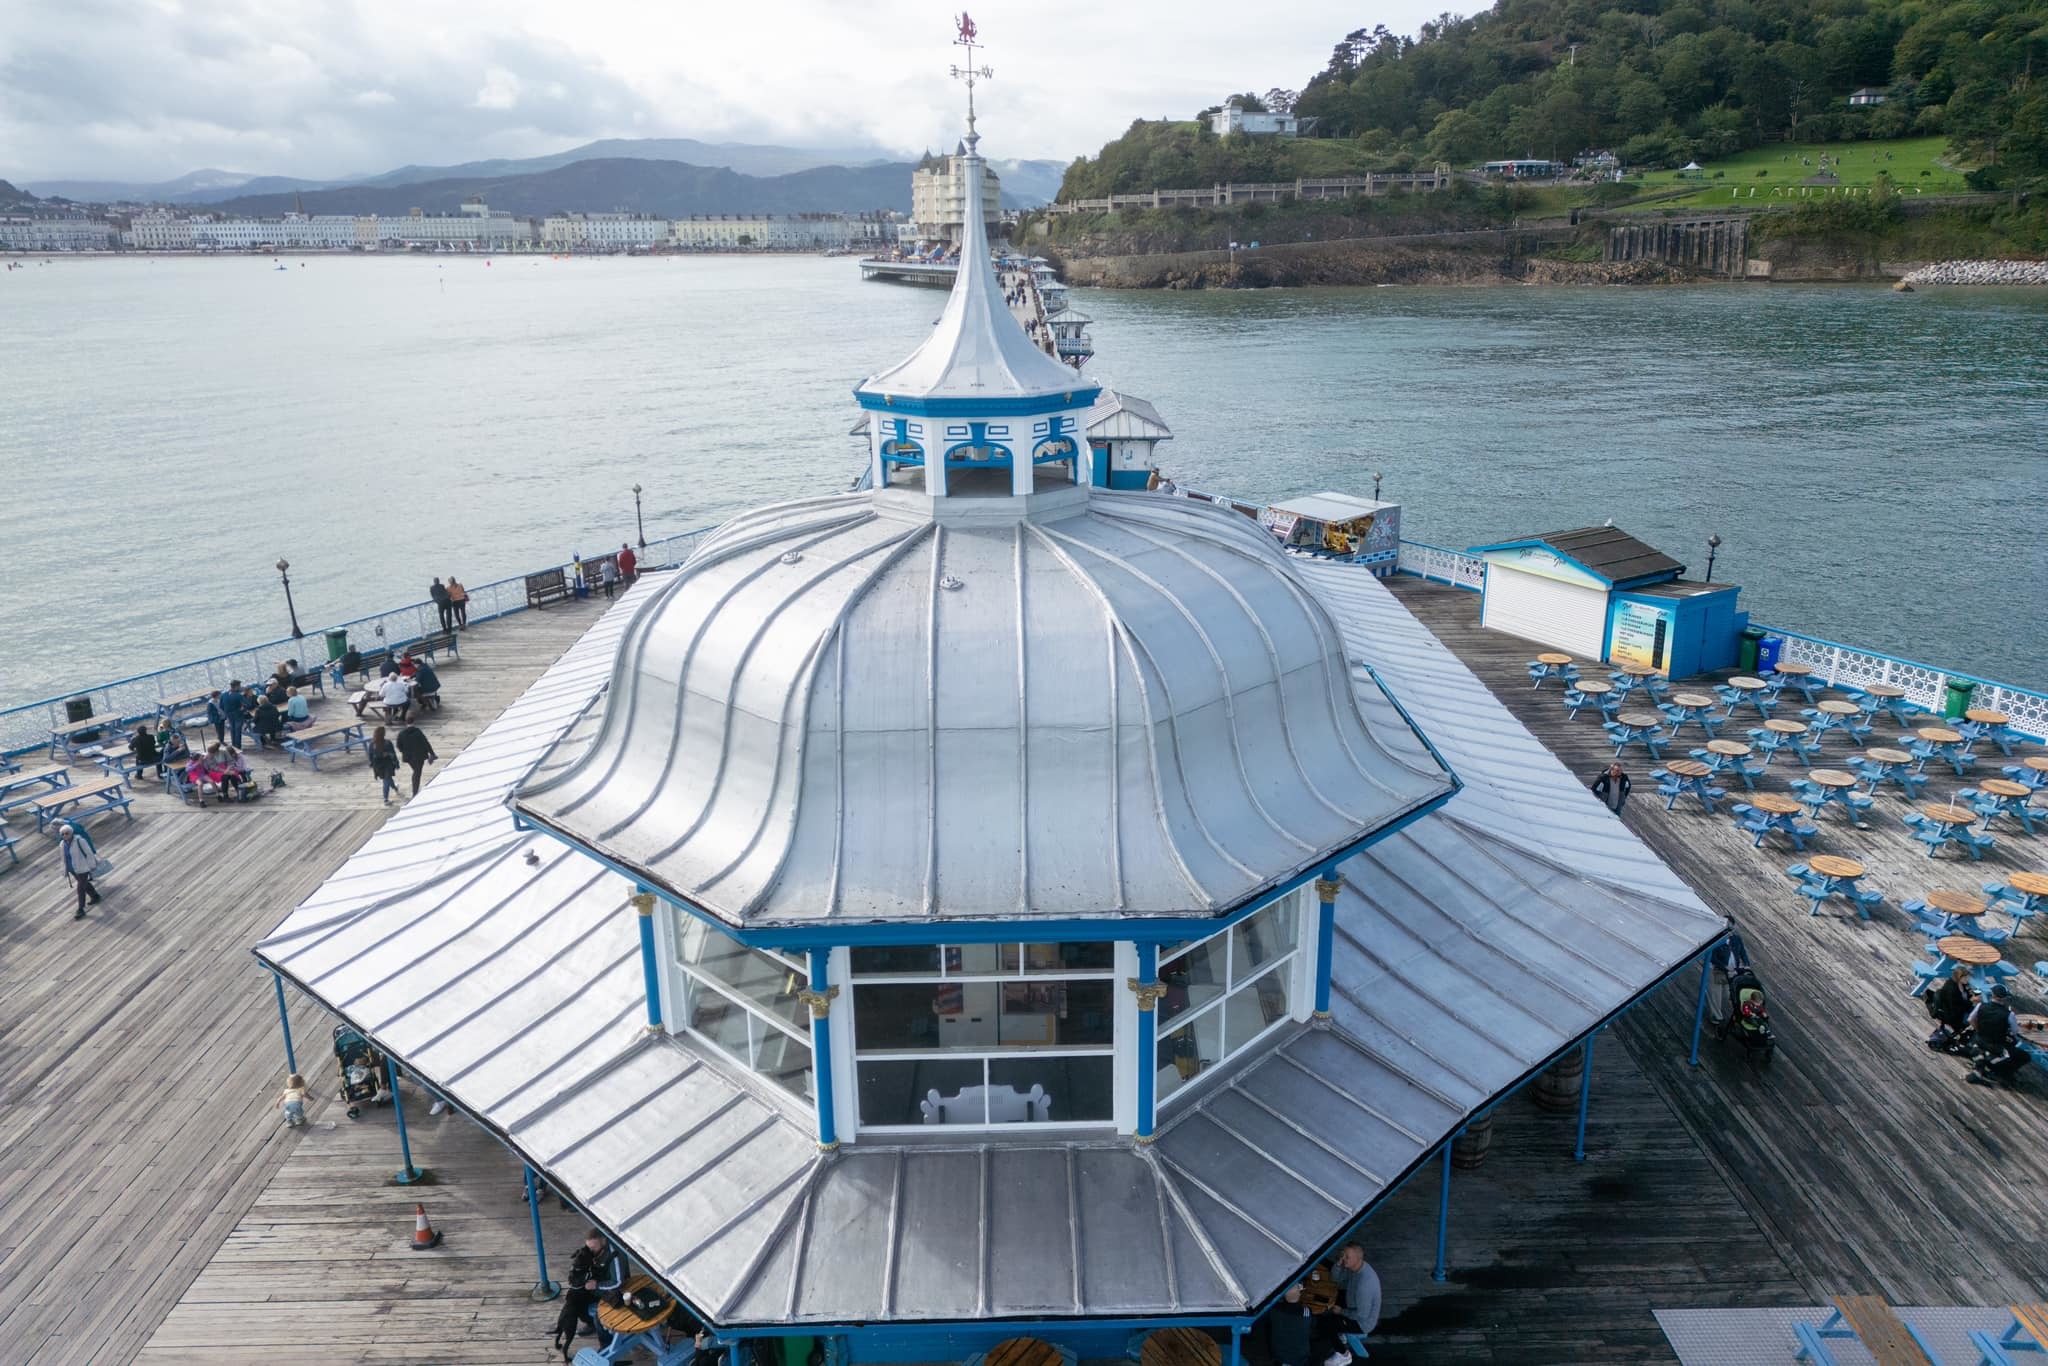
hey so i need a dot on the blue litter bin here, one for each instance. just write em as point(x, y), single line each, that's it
point(1767, 651)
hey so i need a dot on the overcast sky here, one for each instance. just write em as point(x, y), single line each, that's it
point(150, 89)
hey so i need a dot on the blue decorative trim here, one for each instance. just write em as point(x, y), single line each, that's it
point(821, 1050)
point(1481, 550)
point(1148, 1042)
point(1081, 396)
point(1326, 946)
point(650, 971)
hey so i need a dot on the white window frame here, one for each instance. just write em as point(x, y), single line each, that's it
point(676, 984)
point(1300, 965)
point(854, 1056)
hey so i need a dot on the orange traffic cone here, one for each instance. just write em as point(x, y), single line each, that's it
point(424, 1234)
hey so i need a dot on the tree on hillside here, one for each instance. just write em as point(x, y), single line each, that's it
point(1280, 101)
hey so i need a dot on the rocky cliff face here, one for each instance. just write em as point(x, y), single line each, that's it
point(1475, 258)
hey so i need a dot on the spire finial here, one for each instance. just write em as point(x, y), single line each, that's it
point(969, 72)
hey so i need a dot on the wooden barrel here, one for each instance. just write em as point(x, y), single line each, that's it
point(1469, 1149)
point(1559, 1086)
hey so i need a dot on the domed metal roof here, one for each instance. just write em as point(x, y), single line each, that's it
point(879, 706)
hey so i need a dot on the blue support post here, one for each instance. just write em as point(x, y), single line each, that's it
point(1145, 986)
point(545, 1289)
point(1699, 1014)
point(1443, 1213)
point(1585, 1096)
point(291, 1060)
point(819, 999)
point(1236, 1346)
point(410, 1175)
point(1327, 887)
point(650, 972)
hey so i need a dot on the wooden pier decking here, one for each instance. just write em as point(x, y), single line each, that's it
point(151, 1208)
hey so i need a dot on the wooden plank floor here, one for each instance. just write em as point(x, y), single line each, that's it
point(140, 1057)
point(1862, 1156)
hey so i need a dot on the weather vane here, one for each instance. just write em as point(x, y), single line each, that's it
point(969, 73)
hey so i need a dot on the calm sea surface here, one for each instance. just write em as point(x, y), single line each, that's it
point(1873, 462)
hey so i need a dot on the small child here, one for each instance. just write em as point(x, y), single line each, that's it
point(294, 1101)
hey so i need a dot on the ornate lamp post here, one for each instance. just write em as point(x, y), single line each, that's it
point(1713, 544)
point(637, 523)
point(282, 566)
point(1376, 477)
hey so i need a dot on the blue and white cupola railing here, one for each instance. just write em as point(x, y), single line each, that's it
point(978, 396)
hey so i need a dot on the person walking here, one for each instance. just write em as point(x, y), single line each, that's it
point(383, 762)
point(236, 707)
point(417, 752)
point(629, 563)
point(443, 604)
point(608, 572)
point(80, 861)
point(1612, 787)
point(458, 598)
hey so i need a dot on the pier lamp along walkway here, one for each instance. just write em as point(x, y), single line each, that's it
point(1069, 827)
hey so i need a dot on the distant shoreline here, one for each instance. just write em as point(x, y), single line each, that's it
point(315, 254)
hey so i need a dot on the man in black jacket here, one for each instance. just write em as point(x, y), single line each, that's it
point(596, 1272)
point(417, 751)
point(1612, 786)
point(1996, 1033)
point(444, 604)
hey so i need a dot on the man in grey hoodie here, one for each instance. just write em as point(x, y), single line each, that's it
point(1361, 1287)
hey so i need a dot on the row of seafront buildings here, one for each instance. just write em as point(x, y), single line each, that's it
point(477, 227)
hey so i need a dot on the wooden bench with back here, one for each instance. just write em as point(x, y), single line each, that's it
point(550, 585)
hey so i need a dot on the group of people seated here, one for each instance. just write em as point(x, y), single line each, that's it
point(220, 765)
point(405, 682)
point(1983, 1029)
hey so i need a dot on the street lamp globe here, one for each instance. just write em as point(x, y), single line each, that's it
point(283, 564)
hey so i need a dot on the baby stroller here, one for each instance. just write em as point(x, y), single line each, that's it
point(362, 1070)
point(1749, 1017)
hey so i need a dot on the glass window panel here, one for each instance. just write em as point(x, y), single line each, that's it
point(1076, 1090)
point(1185, 1053)
point(1262, 938)
point(718, 1018)
point(1193, 979)
point(1252, 1008)
point(980, 960)
point(900, 960)
point(895, 1091)
point(1064, 1014)
point(760, 978)
point(943, 1016)
point(1069, 957)
point(785, 1062)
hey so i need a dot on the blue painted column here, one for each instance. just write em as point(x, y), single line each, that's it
point(291, 1061)
point(819, 998)
point(1443, 1212)
point(1236, 1357)
point(650, 970)
point(544, 1289)
point(410, 1175)
point(1146, 987)
point(1327, 887)
point(1699, 1014)
point(1585, 1096)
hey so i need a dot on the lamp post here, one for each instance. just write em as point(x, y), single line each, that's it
point(637, 523)
point(1713, 544)
point(1376, 477)
point(282, 566)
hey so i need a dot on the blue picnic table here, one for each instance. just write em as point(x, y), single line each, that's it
point(326, 737)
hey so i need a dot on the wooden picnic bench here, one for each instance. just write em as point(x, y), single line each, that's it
point(550, 585)
point(430, 646)
point(325, 737)
point(1871, 1321)
point(18, 788)
point(7, 843)
point(2007, 1349)
point(1180, 1347)
point(105, 793)
point(66, 739)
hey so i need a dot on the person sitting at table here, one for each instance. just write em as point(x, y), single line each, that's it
point(396, 695)
point(1950, 1005)
point(1289, 1330)
point(276, 692)
point(595, 1272)
point(426, 686)
point(298, 713)
point(171, 748)
point(269, 721)
point(1995, 1032)
point(143, 746)
point(407, 665)
point(234, 774)
point(351, 661)
point(1358, 1313)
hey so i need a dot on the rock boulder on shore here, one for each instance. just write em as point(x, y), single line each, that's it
point(1980, 273)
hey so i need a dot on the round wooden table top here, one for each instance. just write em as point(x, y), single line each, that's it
point(1964, 949)
point(1688, 768)
point(1638, 670)
point(1775, 803)
point(619, 1319)
point(1836, 707)
point(2033, 884)
point(1744, 683)
point(1940, 735)
point(1888, 756)
point(1955, 903)
point(1641, 719)
point(2037, 762)
point(1691, 699)
point(1594, 686)
point(1038, 1352)
point(1553, 660)
point(1885, 690)
point(1833, 865)
point(1831, 777)
point(1734, 749)
point(2005, 787)
point(1947, 815)
point(1785, 727)
point(1984, 716)
point(1794, 669)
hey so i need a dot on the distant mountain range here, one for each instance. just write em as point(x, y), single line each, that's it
point(671, 176)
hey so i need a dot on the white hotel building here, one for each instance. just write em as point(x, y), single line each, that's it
point(20, 233)
point(603, 231)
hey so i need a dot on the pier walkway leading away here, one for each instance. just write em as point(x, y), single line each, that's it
point(140, 1053)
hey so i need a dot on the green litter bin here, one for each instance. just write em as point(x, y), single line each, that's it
point(1957, 699)
point(1745, 650)
point(337, 645)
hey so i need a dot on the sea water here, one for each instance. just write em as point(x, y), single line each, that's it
point(171, 428)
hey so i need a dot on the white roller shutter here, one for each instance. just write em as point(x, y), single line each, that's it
point(1547, 611)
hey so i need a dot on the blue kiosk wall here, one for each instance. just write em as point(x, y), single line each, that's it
point(1678, 627)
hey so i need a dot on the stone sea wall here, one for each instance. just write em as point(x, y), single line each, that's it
point(1980, 273)
point(1466, 258)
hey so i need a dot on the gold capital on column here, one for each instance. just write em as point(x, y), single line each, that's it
point(1148, 993)
point(820, 1002)
point(643, 902)
point(1328, 887)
